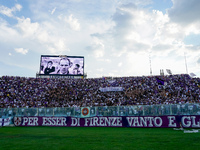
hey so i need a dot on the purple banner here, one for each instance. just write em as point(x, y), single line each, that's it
point(125, 121)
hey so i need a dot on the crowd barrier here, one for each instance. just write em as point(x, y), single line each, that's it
point(105, 111)
point(137, 110)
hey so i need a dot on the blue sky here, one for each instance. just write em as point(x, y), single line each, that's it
point(116, 38)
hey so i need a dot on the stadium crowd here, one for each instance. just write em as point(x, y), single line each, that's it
point(145, 90)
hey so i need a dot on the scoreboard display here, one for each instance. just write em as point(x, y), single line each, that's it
point(62, 65)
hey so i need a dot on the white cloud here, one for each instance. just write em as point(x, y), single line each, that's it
point(9, 11)
point(120, 64)
point(21, 50)
point(27, 27)
point(6, 11)
point(140, 30)
point(111, 34)
point(100, 69)
point(52, 12)
point(134, 29)
point(137, 30)
point(73, 22)
point(98, 53)
point(47, 34)
point(18, 7)
point(185, 11)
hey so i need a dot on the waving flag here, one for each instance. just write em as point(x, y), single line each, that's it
point(192, 75)
point(160, 81)
point(169, 71)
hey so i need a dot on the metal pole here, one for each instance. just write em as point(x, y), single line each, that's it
point(185, 63)
point(150, 64)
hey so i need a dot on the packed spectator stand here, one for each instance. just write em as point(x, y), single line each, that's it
point(21, 92)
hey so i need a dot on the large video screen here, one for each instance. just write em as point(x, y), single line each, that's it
point(62, 65)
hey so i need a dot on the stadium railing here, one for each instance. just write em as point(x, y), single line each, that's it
point(137, 110)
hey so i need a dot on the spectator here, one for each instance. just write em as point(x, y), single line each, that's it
point(39, 92)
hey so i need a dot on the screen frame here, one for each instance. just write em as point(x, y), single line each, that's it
point(57, 57)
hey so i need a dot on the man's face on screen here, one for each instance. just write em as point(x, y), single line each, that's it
point(64, 66)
